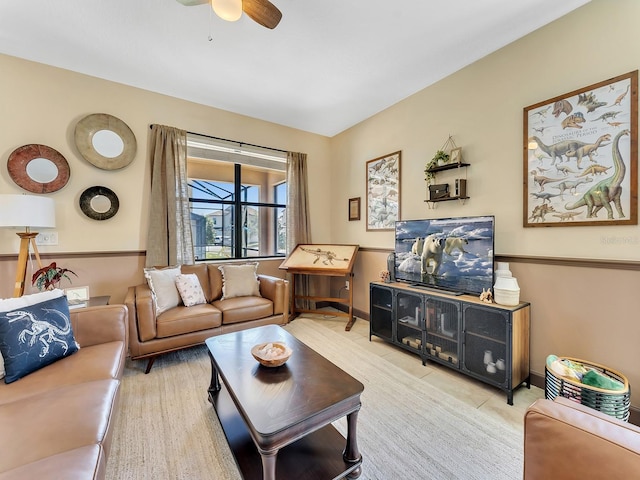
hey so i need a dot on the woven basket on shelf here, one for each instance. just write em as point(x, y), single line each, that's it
point(612, 402)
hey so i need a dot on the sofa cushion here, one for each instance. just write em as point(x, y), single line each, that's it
point(242, 309)
point(190, 290)
point(181, 320)
point(34, 336)
point(240, 280)
point(59, 420)
point(77, 464)
point(162, 282)
point(96, 362)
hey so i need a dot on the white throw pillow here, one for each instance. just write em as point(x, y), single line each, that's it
point(9, 304)
point(240, 280)
point(162, 282)
point(190, 289)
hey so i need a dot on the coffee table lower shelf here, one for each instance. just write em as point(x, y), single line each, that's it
point(316, 456)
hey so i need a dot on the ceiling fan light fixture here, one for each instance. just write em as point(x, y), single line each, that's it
point(229, 10)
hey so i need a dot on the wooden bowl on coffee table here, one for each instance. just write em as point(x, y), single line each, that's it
point(271, 354)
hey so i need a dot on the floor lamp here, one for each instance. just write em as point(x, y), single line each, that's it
point(26, 211)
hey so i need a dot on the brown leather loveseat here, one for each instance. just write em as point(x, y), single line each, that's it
point(57, 421)
point(566, 440)
point(182, 327)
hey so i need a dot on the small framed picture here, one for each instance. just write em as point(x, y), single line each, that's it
point(77, 294)
point(456, 155)
point(354, 208)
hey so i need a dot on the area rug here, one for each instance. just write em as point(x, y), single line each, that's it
point(166, 428)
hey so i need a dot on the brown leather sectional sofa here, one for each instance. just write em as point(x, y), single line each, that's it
point(565, 440)
point(182, 327)
point(57, 421)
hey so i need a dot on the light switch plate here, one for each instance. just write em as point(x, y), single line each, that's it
point(47, 238)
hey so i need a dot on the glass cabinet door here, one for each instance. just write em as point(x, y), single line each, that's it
point(485, 342)
point(442, 325)
point(381, 320)
point(410, 320)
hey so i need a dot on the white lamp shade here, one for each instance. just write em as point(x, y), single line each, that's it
point(230, 10)
point(29, 211)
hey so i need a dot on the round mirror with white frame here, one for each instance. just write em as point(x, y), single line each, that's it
point(38, 168)
point(105, 141)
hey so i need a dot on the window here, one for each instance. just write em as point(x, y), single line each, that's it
point(280, 195)
point(238, 203)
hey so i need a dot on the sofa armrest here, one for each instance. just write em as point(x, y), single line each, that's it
point(563, 439)
point(102, 324)
point(142, 316)
point(277, 290)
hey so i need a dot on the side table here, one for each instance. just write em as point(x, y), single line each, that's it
point(92, 302)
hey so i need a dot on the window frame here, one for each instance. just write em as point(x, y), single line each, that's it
point(239, 249)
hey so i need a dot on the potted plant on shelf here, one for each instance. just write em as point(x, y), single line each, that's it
point(49, 277)
point(439, 159)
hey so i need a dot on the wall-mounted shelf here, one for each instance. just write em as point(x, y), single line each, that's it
point(447, 199)
point(448, 166)
point(441, 168)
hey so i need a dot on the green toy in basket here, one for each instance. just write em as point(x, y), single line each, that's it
point(596, 379)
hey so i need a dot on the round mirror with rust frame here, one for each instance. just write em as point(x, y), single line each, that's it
point(105, 141)
point(38, 168)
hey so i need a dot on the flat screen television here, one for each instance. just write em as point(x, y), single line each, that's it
point(451, 254)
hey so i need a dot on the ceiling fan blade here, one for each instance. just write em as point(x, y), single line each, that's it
point(192, 3)
point(263, 12)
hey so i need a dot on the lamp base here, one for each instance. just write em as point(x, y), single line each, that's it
point(26, 238)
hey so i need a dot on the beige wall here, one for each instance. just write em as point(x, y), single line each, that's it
point(576, 311)
point(42, 104)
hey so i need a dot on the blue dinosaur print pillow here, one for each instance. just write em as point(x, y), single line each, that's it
point(34, 336)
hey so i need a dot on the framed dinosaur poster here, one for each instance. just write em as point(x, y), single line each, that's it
point(581, 157)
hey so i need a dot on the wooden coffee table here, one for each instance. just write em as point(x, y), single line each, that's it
point(278, 420)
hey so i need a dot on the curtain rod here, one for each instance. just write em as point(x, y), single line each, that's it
point(233, 141)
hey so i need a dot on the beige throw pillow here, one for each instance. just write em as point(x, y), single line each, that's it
point(240, 280)
point(190, 289)
point(162, 283)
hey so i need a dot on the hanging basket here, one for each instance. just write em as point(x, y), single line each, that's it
point(612, 402)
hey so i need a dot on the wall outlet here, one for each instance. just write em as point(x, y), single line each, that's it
point(47, 238)
point(346, 284)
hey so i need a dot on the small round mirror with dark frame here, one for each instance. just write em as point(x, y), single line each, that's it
point(99, 203)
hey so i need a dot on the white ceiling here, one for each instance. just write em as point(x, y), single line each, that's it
point(329, 64)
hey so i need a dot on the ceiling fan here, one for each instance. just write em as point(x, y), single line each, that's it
point(261, 11)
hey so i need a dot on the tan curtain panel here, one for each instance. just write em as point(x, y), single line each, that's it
point(169, 238)
point(298, 225)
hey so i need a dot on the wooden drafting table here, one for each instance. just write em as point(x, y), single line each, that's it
point(322, 259)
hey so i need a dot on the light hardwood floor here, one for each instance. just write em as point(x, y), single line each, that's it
point(484, 397)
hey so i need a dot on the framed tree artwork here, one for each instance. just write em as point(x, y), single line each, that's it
point(383, 192)
point(581, 157)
